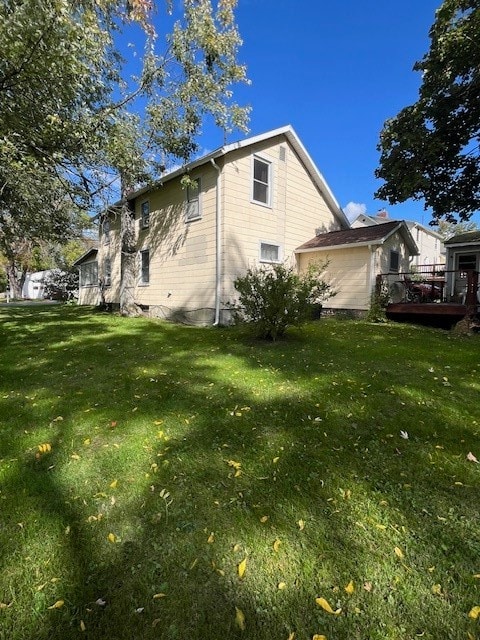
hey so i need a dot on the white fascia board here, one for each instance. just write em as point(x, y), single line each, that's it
point(334, 247)
point(407, 236)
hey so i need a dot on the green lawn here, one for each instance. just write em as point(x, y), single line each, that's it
point(167, 482)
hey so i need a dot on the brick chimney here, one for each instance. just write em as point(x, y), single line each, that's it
point(383, 213)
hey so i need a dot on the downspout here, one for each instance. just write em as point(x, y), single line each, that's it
point(218, 241)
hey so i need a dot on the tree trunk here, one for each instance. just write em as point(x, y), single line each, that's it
point(15, 284)
point(128, 271)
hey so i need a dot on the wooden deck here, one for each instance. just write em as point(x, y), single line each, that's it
point(444, 314)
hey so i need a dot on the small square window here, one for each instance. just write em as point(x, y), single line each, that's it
point(394, 261)
point(269, 252)
point(193, 201)
point(145, 266)
point(145, 208)
point(261, 187)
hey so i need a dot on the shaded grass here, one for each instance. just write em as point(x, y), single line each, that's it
point(306, 430)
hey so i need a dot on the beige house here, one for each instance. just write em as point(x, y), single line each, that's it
point(355, 258)
point(248, 203)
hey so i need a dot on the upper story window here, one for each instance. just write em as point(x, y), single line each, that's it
point(394, 261)
point(262, 181)
point(193, 210)
point(145, 266)
point(145, 212)
point(106, 230)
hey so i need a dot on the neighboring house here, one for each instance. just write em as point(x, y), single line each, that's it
point(356, 256)
point(463, 255)
point(34, 285)
point(251, 202)
point(430, 244)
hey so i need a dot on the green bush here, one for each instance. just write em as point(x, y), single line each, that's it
point(274, 297)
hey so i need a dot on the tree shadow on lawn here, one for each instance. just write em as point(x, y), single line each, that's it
point(301, 458)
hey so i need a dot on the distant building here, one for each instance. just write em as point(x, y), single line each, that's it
point(430, 243)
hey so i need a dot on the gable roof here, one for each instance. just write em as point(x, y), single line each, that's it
point(468, 237)
point(411, 224)
point(295, 142)
point(88, 256)
point(359, 237)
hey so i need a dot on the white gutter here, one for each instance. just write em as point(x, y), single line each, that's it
point(218, 243)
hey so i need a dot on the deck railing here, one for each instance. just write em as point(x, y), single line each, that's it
point(430, 283)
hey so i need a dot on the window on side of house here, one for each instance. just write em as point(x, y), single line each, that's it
point(89, 274)
point(107, 272)
point(394, 265)
point(145, 266)
point(467, 261)
point(193, 209)
point(270, 252)
point(261, 184)
point(145, 213)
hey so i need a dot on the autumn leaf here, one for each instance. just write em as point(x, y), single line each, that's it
point(82, 626)
point(350, 588)
point(112, 537)
point(211, 538)
point(399, 553)
point(239, 618)
point(291, 636)
point(281, 586)
point(113, 485)
point(241, 567)
point(367, 586)
point(437, 589)
point(301, 524)
point(318, 637)
point(157, 596)
point(326, 606)
point(276, 545)
point(234, 464)
point(263, 519)
point(3, 605)
point(471, 457)
point(474, 613)
point(57, 605)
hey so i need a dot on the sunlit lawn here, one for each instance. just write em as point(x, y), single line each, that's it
point(168, 482)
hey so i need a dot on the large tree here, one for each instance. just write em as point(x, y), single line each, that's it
point(430, 150)
point(70, 114)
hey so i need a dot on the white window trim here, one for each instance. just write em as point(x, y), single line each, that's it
point(274, 244)
point(142, 219)
point(93, 267)
point(188, 219)
point(141, 282)
point(268, 162)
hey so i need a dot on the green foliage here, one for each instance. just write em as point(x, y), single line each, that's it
point(273, 298)
point(378, 304)
point(61, 285)
point(351, 444)
point(429, 150)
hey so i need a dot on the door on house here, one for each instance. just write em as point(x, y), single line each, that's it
point(464, 262)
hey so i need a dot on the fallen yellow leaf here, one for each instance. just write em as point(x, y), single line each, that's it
point(239, 618)
point(301, 525)
point(399, 552)
point(3, 605)
point(276, 459)
point(276, 544)
point(263, 519)
point(350, 588)
point(112, 537)
point(157, 596)
point(318, 637)
point(57, 605)
point(474, 613)
point(282, 585)
point(326, 607)
point(113, 485)
point(82, 626)
point(437, 589)
point(211, 538)
point(291, 636)
point(242, 567)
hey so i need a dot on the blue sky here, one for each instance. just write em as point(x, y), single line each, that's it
point(335, 71)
